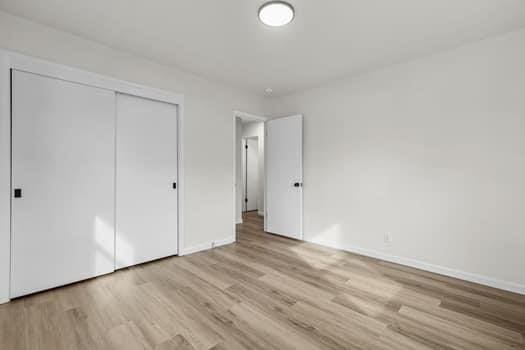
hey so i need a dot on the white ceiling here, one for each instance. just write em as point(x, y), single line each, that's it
point(223, 39)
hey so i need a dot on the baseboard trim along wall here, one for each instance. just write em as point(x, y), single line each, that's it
point(441, 270)
point(208, 245)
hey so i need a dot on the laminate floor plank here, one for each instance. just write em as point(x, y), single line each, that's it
point(266, 292)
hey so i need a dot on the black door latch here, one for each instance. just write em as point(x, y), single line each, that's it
point(18, 193)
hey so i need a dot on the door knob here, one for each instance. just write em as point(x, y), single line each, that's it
point(298, 184)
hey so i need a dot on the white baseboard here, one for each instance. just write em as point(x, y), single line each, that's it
point(207, 245)
point(260, 213)
point(467, 276)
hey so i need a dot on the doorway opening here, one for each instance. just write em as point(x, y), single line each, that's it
point(268, 173)
point(249, 165)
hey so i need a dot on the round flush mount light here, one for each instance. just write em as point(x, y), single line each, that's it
point(276, 13)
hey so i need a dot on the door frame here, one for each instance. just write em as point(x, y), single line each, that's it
point(11, 60)
point(248, 117)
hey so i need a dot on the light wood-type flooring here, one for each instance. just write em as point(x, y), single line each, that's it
point(266, 292)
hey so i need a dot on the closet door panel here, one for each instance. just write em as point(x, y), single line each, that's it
point(146, 177)
point(63, 162)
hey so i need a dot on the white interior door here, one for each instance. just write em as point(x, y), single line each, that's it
point(63, 182)
point(284, 176)
point(146, 180)
point(251, 173)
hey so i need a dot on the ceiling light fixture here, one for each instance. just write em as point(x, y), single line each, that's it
point(276, 13)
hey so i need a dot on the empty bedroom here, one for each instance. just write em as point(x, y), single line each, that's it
point(257, 174)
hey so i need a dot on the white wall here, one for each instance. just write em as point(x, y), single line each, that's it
point(431, 151)
point(208, 132)
point(256, 129)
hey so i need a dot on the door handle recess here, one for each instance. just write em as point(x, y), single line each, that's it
point(18, 193)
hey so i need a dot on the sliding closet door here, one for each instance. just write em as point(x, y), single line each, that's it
point(63, 182)
point(146, 180)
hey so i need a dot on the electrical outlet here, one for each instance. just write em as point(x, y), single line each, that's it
point(388, 238)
